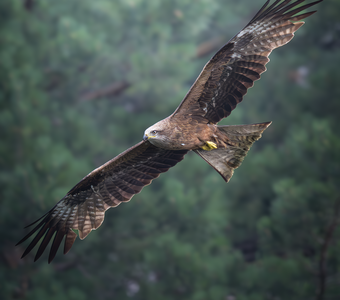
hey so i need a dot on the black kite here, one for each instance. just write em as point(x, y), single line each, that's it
point(218, 89)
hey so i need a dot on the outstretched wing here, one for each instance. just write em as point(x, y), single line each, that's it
point(233, 69)
point(84, 206)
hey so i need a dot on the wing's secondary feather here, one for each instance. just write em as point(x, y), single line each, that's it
point(84, 206)
point(226, 78)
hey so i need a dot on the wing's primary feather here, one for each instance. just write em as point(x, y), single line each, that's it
point(226, 78)
point(84, 206)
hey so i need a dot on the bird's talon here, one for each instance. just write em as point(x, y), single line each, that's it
point(209, 146)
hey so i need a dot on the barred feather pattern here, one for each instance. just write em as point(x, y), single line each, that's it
point(84, 206)
point(226, 78)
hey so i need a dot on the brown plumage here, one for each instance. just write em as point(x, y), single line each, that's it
point(221, 85)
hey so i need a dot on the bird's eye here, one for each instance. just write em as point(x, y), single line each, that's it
point(154, 131)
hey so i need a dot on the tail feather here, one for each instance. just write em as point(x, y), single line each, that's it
point(241, 137)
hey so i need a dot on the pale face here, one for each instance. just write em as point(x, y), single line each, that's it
point(157, 135)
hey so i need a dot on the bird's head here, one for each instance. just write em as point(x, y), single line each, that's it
point(156, 134)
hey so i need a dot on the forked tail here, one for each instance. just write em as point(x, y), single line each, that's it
point(241, 138)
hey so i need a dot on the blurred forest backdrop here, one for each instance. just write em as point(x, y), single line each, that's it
point(81, 80)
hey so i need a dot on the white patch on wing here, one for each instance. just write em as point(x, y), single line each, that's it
point(236, 55)
point(246, 30)
point(242, 33)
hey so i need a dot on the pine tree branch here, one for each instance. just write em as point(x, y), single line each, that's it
point(113, 89)
point(117, 88)
point(209, 46)
point(29, 4)
point(322, 260)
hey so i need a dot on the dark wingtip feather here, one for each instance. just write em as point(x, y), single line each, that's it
point(288, 14)
point(41, 217)
point(259, 12)
point(56, 243)
point(36, 238)
point(44, 243)
point(279, 8)
point(35, 221)
point(33, 230)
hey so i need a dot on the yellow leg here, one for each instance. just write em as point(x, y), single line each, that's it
point(209, 146)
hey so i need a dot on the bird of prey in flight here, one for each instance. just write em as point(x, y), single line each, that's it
point(221, 85)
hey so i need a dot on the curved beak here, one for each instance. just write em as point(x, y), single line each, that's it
point(146, 137)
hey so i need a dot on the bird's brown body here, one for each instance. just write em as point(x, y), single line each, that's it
point(187, 134)
point(221, 85)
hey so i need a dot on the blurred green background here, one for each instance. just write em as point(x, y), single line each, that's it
point(79, 83)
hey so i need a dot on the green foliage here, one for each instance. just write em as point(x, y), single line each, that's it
point(271, 233)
